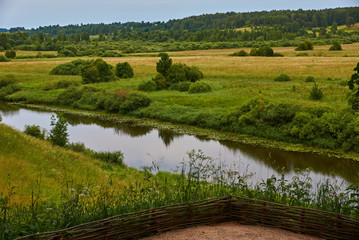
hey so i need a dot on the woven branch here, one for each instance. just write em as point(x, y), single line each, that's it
point(231, 208)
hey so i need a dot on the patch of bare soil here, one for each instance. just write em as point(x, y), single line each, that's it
point(229, 231)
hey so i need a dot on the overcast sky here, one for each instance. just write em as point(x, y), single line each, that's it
point(35, 13)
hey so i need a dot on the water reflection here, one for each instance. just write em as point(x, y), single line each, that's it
point(141, 145)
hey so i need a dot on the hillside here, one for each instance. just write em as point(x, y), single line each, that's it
point(29, 165)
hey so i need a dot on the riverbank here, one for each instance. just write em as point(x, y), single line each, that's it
point(200, 132)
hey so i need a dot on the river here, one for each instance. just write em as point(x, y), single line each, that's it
point(143, 145)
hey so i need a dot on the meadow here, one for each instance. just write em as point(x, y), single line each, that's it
point(235, 81)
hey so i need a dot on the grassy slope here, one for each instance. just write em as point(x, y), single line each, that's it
point(33, 165)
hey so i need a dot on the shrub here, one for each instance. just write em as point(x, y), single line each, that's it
point(354, 102)
point(35, 131)
point(199, 87)
point(264, 51)
point(182, 86)
point(124, 70)
point(134, 101)
point(304, 46)
point(282, 78)
point(76, 147)
point(176, 73)
point(316, 93)
point(7, 80)
point(160, 81)
point(336, 46)
point(310, 79)
point(3, 58)
point(70, 68)
point(109, 157)
point(241, 53)
point(69, 96)
point(10, 54)
point(148, 86)
point(98, 71)
point(278, 114)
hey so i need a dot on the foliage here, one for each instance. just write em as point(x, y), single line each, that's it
point(124, 70)
point(199, 87)
point(98, 71)
point(35, 131)
point(181, 73)
point(135, 101)
point(316, 93)
point(181, 86)
point(10, 54)
point(164, 64)
point(304, 46)
point(282, 78)
point(241, 53)
point(3, 58)
point(310, 79)
point(70, 68)
point(58, 133)
point(147, 86)
point(76, 147)
point(110, 157)
point(160, 80)
point(336, 46)
point(354, 80)
point(264, 51)
point(7, 80)
point(8, 86)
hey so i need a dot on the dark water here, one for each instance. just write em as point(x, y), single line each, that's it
point(142, 145)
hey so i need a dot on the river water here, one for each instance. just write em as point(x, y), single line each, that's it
point(143, 145)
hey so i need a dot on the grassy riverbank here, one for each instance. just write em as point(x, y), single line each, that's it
point(245, 99)
point(47, 187)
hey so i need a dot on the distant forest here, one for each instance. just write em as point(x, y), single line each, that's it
point(284, 27)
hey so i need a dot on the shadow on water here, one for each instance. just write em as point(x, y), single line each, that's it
point(8, 110)
point(119, 128)
point(283, 161)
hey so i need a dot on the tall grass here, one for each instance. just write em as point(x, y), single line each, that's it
point(199, 177)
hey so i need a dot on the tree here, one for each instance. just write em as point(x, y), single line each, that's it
point(164, 64)
point(10, 54)
point(354, 100)
point(97, 71)
point(334, 27)
point(58, 133)
point(316, 93)
point(124, 70)
point(349, 21)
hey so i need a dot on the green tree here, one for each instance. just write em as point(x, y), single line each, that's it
point(35, 131)
point(349, 21)
point(334, 27)
point(336, 46)
point(58, 133)
point(164, 64)
point(124, 70)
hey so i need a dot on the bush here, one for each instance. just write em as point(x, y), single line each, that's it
point(7, 80)
point(282, 78)
point(35, 131)
point(177, 73)
point(182, 86)
point(199, 87)
point(134, 101)
point(304, 46)
point(3, 58)
point(70, 68)
point(110, 157)
point(241, 53)
point(160, 81)
point(336, 46)
point(76, 147)
point(148, 86)
point(124, 70)
point(316, 93)
point(310, 79)
point(10, 54)
point(354, 102)
point(264, 51)
point(98, 71)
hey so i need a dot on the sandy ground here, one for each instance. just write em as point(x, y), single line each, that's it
point(229, 231)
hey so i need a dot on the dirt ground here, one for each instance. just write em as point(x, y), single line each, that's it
point(230, 231)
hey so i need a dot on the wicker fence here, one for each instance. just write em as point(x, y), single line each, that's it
point(232, 208)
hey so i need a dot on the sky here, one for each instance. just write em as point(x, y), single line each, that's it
point(35, 13)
